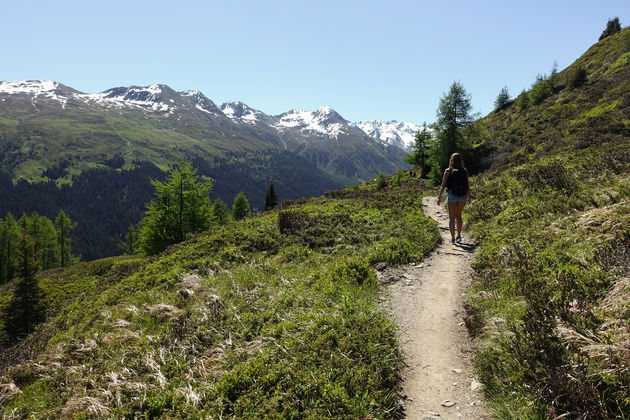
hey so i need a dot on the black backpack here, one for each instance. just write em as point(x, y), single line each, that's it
point(457, 182)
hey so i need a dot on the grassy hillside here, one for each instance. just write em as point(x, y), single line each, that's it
point(550, 304)
point(275, 316)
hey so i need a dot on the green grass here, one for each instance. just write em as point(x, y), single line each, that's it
point(553, 245)
point(549, 301)
point(257, 319)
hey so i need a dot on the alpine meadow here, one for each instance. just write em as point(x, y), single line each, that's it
point(236, 263)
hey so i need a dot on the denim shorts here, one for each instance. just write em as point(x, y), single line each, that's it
point(452, 198)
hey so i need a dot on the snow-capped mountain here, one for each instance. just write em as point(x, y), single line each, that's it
point(153, 98)
point(322, 136)
point(322, 120)
point(237, 110)
point(401, 134)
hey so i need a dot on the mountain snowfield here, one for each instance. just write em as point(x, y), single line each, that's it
point(157, 98)
point(401, 134)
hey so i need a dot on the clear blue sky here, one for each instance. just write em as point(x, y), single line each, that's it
point(366, 59)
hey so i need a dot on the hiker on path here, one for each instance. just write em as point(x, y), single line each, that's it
point(455, 180)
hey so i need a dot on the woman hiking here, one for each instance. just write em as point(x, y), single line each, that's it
point(455, 180)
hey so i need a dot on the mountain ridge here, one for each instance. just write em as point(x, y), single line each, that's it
point(53, 134)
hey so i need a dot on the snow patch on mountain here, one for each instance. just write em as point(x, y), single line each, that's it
point(202, 103)
point(401, 134)
point(323, 120)
point(35, 88)
point(146, 97)
point(28, 86)
point(237, 110)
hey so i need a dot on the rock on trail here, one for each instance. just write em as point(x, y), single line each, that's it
point(426, 301)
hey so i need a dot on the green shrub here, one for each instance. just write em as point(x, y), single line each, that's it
point(578, 77)
point(356, 270)
point(381, 181)
point(541, 89)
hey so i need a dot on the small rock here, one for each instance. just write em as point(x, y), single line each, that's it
point(475, 385)
point(458, 371)
point(430, 417)
point(448, 403)
point(380, 266)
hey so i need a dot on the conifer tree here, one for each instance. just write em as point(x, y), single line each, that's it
point(503, 99)
point(420, 154)
point(271, 198)
point(453, 119)
point(612, 27)
point(131, 244)
point(181, 206)
point(42, 231)
point(220, 213)
point(522, 101)
point(240, 208)
point(9, 236)
point(63, 226)
point(25, 309)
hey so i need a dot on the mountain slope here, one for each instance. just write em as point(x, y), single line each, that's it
point(550, 301)
point(275, 316)
point(157, 124)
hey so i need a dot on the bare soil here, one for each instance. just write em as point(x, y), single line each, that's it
point(426, 300)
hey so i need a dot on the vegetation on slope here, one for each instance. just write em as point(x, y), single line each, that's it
point(552, 276)
point(273, 316)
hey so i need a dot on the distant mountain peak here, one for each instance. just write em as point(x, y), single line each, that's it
point(36, 88)
point(401, 134)
point(324, 120)
point(29, 86)
point(237, 110)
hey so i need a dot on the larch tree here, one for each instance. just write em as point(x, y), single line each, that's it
point(9, 237)
point(503, 99)
point(220, 214)
point(181, 206)
point(420, 153)
point(612, 27)
point(63, 227)
point(454, 118)
point(240, 207)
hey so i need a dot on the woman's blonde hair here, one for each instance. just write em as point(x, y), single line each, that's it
point(456, 161)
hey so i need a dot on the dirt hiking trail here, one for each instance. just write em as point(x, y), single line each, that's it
point(426, 302)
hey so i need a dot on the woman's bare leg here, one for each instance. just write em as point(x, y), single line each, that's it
point(458, 218)
point(452, 215)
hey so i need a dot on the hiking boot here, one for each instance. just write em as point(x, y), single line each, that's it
point(452, 241)
point(458, 240)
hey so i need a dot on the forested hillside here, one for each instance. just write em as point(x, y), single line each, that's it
point(106, 201)
point(550, 303)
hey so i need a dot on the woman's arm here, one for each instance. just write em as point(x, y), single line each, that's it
point(444, 178)
point(468, 192)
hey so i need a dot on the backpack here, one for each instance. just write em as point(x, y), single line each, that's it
point(457, 182)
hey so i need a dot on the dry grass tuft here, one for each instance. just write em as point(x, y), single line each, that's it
point(86, 405)
point(8, 391)
point(163, 310)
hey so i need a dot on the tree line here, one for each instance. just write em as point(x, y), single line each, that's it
point(51, 242)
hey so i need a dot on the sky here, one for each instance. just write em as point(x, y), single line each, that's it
point(383, 60)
